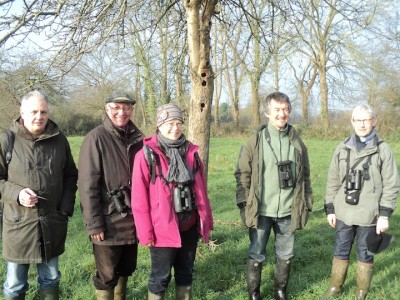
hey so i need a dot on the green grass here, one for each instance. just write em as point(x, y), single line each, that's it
point(220, 268)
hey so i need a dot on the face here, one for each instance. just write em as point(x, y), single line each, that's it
point(35, 114)
point(119, 113)
point(278, 114)
point(363, 123)
point(172, 129)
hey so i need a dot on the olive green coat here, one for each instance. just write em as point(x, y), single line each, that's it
point(248, 188)
point(45, 165)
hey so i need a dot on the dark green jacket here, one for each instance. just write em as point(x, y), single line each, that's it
point(248, 176)
point(45, 165)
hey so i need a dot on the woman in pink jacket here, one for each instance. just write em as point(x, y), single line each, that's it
point(170, 203)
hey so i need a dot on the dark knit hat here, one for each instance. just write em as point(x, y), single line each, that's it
point(376, 243)
point(168, 112)
point(121, 98)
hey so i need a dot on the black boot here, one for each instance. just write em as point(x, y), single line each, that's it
point(253, 278)
point(282, 271)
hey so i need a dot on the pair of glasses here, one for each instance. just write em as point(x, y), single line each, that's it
point(125, 108)
point(179, 125)
point(366, 121)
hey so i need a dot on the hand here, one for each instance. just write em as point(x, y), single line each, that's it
point(331, 220)
point(27, 198)
point(151, 244)
point(97, 236)
point(382, 224)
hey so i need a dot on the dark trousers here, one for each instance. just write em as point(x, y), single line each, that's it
point(181, 259)
point(345, 235)
point(113, 262)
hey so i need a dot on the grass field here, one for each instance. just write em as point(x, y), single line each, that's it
point(220, 268)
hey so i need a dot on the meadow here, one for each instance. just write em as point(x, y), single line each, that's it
point(220, 266)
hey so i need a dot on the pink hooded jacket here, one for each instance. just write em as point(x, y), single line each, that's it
point(153, 206)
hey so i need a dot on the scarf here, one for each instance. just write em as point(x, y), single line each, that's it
point(175, 150)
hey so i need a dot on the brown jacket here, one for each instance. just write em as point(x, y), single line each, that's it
point(105, 165)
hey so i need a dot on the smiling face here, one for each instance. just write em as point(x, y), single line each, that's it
point(35, 114)
point(119, 113)
point(172, 129)
point(363, 122)
point(278, 114)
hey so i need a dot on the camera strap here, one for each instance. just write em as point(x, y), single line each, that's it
point(268, 139)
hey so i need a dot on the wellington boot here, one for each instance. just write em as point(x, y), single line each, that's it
point(338, 276)
point(183, 292)
point(120, 289)
point(151, 296)
point(49, 294)
point(282, 271)
point(363, 281)
point(20, 297)
point(253, 278)
point(105, 294)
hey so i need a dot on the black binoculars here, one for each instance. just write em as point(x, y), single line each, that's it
point(354, 180)
point(183, 200)
point(285, 174)
point(121, 198)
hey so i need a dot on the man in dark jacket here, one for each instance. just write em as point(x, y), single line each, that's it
point(105, 166)
point(273, 192)
point(38, 192)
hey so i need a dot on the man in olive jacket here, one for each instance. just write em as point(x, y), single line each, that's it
point(38, 192)
point(273, 192)
point(105, 166)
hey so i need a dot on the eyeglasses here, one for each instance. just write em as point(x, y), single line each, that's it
point(125, 108)
point(366, 121)
point(171, 125)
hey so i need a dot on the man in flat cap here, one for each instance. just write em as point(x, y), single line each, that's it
point(105, 165)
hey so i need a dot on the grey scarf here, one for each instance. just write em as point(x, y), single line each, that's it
point(178, 171)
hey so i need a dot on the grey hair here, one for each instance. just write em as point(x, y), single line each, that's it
point(363, 108)
point(32, 94)
point(277, 96)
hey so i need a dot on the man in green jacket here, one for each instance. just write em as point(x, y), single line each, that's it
point(38, 189)
point(273, 192)
point(361, 192)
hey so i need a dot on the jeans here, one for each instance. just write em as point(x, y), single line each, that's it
point(182, 259)
point(16, 282)
point(344, 238)
point(284, 238)
point(113, 262)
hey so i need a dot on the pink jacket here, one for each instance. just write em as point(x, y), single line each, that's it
point(153, 206)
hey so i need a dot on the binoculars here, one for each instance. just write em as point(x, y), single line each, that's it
point(183, 200)
point(122, 199)
point(354, 180)
point(285, 174)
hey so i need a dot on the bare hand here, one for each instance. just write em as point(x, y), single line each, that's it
point(331, 220)
point(382, 225)
point(27, 198)
point(97, 236)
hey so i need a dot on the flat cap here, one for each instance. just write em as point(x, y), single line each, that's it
point(121, 98)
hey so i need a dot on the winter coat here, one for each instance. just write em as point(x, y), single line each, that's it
point(105, 161)
point(45, 165)
point(153, 205)
point(378, 194)
point(248, 180)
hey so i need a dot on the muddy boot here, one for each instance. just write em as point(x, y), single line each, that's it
point(49, 294)
point(338, 276)
point(183, 292)
point(253, 278)
point(363, 281)
point(151, 296)
point(120, 289)
point(282, 271)
point(105, 294)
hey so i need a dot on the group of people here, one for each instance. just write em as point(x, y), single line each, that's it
point(153, 191)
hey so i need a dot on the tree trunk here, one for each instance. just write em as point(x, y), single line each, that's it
point(201, 73)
